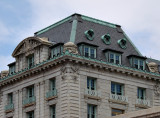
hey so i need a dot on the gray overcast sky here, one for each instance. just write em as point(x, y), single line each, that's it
point(19, 19)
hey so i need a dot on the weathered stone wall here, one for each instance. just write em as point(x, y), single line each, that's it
point(71, 84)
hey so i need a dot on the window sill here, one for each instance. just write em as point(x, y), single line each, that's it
point(118, 101)
point(50, 98)
point(92, 97)
point(142, 106)
point(30, 104)
point(10, 110)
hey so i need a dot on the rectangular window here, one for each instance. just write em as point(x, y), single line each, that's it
point(12, 69)
point(117, 112)
point(91, 83)
point(30, 61)
point(141, 93)
point(10, 98)
point(56, 51)
point(30, 91)
point(91, 111)
point(52, 84)
point(138, 63)
point(53, 111)
point(116, 88)
point(90, 51)
point(113, 57)
point(30, 114)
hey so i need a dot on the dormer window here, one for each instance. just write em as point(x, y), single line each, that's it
point(88, 51)
point(137, 62)
point(56, 51)
point(30, 59)
point(11, 68)
point(113, 56)
point(89, 34)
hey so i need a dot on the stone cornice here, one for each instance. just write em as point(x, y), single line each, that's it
point(68, 57)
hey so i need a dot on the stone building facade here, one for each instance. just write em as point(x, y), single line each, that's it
point(79, 67)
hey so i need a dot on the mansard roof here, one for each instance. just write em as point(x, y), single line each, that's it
point(73, 29)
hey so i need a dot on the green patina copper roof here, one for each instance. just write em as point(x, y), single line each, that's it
point(98, 21)
point(53, 25)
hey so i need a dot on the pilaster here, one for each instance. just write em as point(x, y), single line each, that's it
point(70, 93)
point(42, 98)
point(37, 94)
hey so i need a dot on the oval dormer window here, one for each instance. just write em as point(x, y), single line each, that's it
point(122, 43)
point(106, 39)
point(89, 34)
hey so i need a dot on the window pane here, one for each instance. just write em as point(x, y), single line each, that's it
point(117, 59)
point(141, 64)
point(112, 88)
point(86, 52)
point(92, 53)
point(111, 58)
point(136, 63)
point(119, 89)
point(117, 112)
point(91, 83)
point(91, 111)
point(141, 93)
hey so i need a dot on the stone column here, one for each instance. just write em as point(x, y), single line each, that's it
point(42, 99)
point(37, 95)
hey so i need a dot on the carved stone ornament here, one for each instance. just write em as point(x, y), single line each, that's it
point(28, 45)
point(72, 70)
point(153, 67)
point(157, 89)
point(71, 47)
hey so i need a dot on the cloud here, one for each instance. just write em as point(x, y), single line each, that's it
point(138, 18)
point(5, 60)
point(4, 31)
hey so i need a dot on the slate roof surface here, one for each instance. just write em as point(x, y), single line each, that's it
point(61, 34)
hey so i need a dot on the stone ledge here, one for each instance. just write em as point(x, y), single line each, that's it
point(117, 101)
point(27, 105)
point(50, 98)
point(11, 110)
point(92, 97)
point(141, 106)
